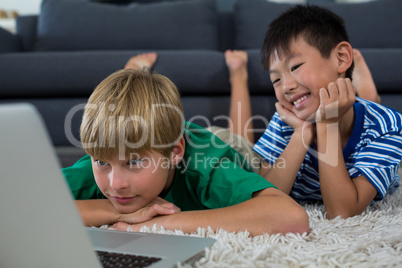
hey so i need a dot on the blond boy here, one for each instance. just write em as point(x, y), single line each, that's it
point(147, 166)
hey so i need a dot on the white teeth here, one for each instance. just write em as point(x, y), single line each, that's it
point(300, 100)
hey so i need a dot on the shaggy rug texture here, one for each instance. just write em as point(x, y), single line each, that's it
point(372, 239)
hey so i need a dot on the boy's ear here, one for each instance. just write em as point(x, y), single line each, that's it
point(178, 152)
point(344, 55)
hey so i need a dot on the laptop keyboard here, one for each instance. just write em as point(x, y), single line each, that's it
point(112, 259)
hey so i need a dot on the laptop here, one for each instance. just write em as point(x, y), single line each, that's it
point(40, 225)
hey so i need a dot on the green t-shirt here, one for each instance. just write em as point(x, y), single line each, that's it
point(210, 175)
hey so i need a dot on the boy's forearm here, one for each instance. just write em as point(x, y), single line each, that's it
point(339, 192)
point(270, 212)
point(283, 173)
point(97, 212)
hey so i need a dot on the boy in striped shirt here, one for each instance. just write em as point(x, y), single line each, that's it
point(324, 143)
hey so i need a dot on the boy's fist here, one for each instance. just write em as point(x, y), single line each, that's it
point(335, 101)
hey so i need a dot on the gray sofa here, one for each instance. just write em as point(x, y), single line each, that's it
point(56, 59)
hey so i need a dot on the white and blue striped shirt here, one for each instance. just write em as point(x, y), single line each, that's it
point(374, 150)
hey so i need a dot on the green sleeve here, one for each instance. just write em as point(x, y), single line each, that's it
point(230, 184)
point(81, 180)
point(227, 184)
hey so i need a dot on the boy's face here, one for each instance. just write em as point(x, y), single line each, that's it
point(132, 183)
point(298, 76)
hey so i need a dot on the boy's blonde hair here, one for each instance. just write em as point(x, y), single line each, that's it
point(132, 112)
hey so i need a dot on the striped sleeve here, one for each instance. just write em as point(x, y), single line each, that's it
point(380, 158)
point(274, 140)
point(379, 162)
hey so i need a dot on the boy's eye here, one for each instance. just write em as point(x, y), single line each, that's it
point(295, 67)
point(101, 163)
point(275, 81)
point(134, 162)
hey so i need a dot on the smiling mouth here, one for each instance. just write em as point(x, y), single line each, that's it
point(298, 101)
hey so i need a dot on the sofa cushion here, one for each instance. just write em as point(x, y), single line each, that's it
point(26, 26)
point(251, 18)
point(9, 42)
point(77, 73)
point(375, 24)
point(80, 25)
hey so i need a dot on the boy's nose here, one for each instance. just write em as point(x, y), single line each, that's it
point(118, 180)
point(289, 84)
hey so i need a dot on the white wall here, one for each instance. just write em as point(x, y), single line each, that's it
point(23, 7)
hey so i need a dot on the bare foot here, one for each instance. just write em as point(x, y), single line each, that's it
point(236, 61)
point(240, 106)
point(362, 79)
point(140, 61)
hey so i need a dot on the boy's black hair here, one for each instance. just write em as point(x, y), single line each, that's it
point(320, 28)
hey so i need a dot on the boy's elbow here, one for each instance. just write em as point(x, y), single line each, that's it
point(344, 211)
point(297, 221)
point(344, 214)
point(286, 215)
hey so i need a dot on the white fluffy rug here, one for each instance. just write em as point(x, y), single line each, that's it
point(372, 239)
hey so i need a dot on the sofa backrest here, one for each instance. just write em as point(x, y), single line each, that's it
point(79, 25)
point(375, 24)
point(197, 24)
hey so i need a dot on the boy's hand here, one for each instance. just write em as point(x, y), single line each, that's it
point(123, 226)
point(155, 208)
point(305, 128)
point(335, 101)
point(288, 117)
point(162, 202)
